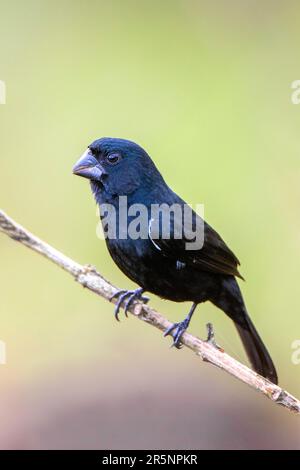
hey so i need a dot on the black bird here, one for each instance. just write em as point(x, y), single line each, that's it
point(163, 266)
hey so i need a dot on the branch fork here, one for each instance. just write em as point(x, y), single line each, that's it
point(208, 350)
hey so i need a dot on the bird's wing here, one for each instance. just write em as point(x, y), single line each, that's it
point(213, 256)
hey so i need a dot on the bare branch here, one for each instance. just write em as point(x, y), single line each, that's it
point(88, 277)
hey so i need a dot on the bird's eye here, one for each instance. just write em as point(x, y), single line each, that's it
point(113, 158)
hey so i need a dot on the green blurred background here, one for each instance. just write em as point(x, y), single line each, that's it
point(205, 87)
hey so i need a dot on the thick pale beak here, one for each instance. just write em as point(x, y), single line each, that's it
point(88, 167)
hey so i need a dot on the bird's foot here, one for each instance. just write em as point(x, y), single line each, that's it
point(177, 330)
point(126, 298)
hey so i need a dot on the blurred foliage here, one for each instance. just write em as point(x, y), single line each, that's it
point(205, 87)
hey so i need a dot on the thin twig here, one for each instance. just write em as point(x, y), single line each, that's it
point(88, 277)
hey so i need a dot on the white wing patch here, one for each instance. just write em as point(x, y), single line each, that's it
point(149, 233)
point(180, 265)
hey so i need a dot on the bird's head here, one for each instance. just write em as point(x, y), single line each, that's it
point(118, 166)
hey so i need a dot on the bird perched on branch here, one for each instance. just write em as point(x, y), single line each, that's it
point(169, 266)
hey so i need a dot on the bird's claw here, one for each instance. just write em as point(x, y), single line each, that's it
point(131, 296)
point(179, 329)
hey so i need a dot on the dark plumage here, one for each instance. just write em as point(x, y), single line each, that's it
point(118, 167)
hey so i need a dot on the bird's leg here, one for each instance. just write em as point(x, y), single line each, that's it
point(128, 295)
point(179, 328)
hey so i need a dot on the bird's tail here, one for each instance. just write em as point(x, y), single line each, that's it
point(256, 351)
point(232, 303)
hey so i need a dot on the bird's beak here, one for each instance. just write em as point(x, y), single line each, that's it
point(88, 167)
